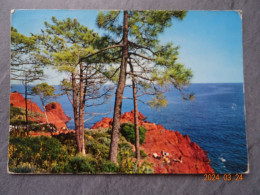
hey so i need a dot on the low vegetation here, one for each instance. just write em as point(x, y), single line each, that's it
point(17, 115)
point(58, 154)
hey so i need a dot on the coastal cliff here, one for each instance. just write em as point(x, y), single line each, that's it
point(54, 110)
point(194, 159)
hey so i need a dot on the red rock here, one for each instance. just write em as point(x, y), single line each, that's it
point(104, 123)
point(17, 100)
point(194, 159)
point(54, 110)
point(56, 114)
point(187, 138)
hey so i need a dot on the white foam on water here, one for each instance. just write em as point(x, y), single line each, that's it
point(222, 159)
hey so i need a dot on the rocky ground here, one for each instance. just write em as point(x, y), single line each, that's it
point(194, 159)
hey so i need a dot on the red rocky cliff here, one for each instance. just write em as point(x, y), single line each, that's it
point(54, 110)
point(194, 159)
point(56, 114)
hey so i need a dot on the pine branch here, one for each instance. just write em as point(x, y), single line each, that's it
point(139, 76)
point(110, 47)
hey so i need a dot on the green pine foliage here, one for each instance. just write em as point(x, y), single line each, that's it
point(21, 44)
point(25, 67)
point(158, 61)
point(158, 101)
point(65, 42)
point(44, 91)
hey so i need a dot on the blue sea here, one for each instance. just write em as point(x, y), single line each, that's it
point(215, 120)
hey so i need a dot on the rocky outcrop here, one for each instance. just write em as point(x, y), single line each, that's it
point(56, 114)
point(125, 118)
point(194, 160)
point(17, 100)
point(105, 123)
point(54, 111)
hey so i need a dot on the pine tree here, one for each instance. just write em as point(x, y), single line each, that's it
point(45, 92)
point(25, 68)
point(138, 34)
point(64, 44)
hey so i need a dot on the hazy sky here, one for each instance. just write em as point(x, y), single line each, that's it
point(210, 41)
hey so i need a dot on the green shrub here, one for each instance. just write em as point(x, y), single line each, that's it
point(128, 131)
point(125, 146)
point(99, 135)
point(126, 164)
point(17, 115)
point(23, 168)
point(68, 142)
point(89, 164)
point(108, 166)
point(104, 140)
point(88, 133)
point(43, 152)
point(96, 148)
point(20, 122)
point(57, 167)
point(109, 131)
point(80, 164)
point(15, 111)
point(145, 168)
point(143, 154)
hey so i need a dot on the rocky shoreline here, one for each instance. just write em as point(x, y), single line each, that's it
point(194, 158)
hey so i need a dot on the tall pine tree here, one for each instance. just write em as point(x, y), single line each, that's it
point(64, 44)
point(25, 67)
point(137, 33)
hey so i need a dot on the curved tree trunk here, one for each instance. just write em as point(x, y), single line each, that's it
point(119, 94)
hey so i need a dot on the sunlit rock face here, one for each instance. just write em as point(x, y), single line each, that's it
point(194, 160)
point(54, 111)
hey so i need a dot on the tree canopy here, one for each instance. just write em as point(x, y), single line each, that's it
point(129, 49)
point(64, 43)
point(44, 91)
point(152, 65)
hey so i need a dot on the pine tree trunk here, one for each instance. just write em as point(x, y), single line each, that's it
point(47, 120)
point(137, 148)
point(119, 94)
point(75, 109)
point(26, 108)
point(81, 113)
